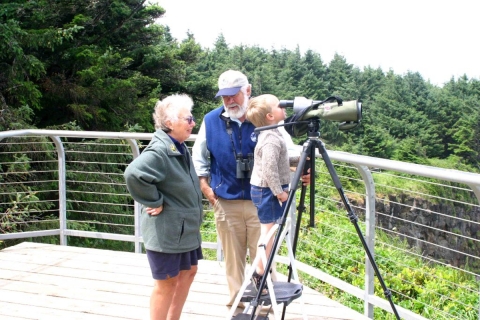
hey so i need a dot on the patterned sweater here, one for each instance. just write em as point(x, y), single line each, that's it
point(271, 161)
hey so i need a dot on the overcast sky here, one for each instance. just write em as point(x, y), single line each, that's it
point(437, 38)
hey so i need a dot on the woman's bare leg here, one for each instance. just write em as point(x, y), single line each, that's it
point(185, 279)
point(162, 297)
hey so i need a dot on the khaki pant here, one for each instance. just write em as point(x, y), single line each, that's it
point(238, 228)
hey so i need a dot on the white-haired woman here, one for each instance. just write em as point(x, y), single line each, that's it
point(171, 217)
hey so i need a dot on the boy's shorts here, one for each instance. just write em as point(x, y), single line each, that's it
point(268, 207)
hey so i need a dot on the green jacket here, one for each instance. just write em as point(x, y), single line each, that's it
point(161, 175)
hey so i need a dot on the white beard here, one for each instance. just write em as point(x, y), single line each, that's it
point(237, 113)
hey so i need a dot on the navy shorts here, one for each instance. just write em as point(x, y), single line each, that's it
point(268, 207)
point(169, 265)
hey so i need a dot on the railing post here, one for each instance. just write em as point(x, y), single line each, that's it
point(137, 206)
point(369, 236)
point(476, 190)
point(62, 188)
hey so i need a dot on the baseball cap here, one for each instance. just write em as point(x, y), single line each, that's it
point(230, 83)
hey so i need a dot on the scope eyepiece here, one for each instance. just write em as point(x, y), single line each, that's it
point(286, 104)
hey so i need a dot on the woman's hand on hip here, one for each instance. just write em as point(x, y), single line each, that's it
point(154, 211)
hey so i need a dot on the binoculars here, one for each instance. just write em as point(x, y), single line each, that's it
point(244, 166)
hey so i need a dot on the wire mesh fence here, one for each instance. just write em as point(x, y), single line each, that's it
point(425, 231)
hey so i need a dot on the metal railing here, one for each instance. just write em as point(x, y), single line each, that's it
point(421, 222)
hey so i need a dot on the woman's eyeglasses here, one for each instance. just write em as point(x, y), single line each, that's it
point(190, 119)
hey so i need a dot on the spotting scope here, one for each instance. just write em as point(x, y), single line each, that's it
point(349, 113)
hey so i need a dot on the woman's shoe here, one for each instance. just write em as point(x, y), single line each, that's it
point(257, 280)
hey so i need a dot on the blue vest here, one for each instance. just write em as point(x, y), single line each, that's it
point(223, 150)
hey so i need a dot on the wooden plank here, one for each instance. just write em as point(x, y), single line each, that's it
point(20, 278)
point(17, 311)
point(79, 304)
point(75, 262)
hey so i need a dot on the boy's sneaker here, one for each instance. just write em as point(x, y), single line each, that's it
point(256, 280)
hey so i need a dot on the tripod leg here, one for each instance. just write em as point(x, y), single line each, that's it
point(312, 186)
point(354, 219)
point(301, 209)
point(308, 151)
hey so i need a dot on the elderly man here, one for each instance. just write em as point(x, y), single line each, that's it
point(224, 139)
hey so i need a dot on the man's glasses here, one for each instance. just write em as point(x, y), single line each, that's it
point(190, 119)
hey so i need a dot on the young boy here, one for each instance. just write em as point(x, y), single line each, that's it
point(271, 170)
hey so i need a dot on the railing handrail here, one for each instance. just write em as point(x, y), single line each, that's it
point(469, 178)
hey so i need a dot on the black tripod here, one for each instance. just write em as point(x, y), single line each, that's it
point(314, 143)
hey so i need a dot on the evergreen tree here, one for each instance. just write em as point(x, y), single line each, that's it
point(20, 67)
point(314, 84)
point(96, 62)
point(340, 80)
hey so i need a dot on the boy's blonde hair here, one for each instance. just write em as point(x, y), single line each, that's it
point(258, 108)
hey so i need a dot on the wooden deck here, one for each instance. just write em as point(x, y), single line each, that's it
point(40, 281)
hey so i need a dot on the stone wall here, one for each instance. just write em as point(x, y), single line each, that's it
point(450, 233)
